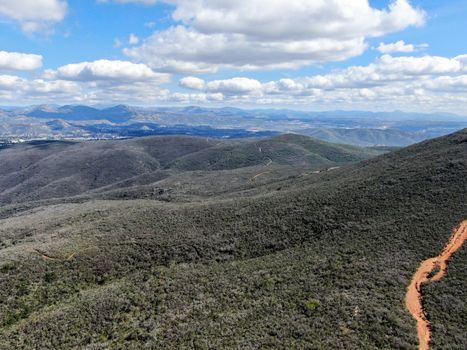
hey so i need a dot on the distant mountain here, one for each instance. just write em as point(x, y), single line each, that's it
point(117, 114)
point(360, 128)
point(366, 137)
point(21, 127)
point(64, 112)
point(122, 113)
point(151, 129)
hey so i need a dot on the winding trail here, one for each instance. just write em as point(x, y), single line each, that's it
point(268, 164)
point(47, 257)
point(437, 265)
point(258, 175)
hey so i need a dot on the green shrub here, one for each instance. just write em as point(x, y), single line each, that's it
point(311, 305)
point(5, 268)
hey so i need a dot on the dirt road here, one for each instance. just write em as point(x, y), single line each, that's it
point(268, 164)
point(437, 265)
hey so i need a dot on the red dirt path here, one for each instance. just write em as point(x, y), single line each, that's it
point(414, 297)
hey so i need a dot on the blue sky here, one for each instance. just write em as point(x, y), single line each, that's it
point(294, 53)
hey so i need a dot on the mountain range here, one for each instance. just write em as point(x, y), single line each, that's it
point(347, 127)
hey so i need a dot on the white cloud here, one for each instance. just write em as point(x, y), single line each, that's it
point(10, 82)
point(40, 86)
point(101, 81)
point(234, 86)
point(463, 60)
point(421, 65)
point(427, 83)
point(34, 15)
point(108, 71)
point(16, 89)
point(192, 83)
point(246, 34)
point(388, 69)
point(399, 46)
point(447, 84)
point(19, 61)
point(185, 50)
point(216, 97)
point(28, 88)
point(133, 39)
point(283, 86)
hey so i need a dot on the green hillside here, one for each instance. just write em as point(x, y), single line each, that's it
point(305, 259)
point(366, 136)
point(47, 170)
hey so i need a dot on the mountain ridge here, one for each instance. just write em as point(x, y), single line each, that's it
point(76, 167)
point(359, 128)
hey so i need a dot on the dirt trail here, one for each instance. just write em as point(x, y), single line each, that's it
point(268, 164)
point(258, 175)
point(47, 257)
point(437, 265)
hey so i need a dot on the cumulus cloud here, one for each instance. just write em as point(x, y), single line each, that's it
point(234, 86)
point(28, 90)
point(387, 69)
point(216, 90)
point(186, 50)
point(192, 83)
point(14, 88)
point(399, 46)
point(44, 87)
point(34, 15)
point(243, 34)
point(10, 82)
point(411, 83)
point(102, 81)
point(114, 71)
point(421, 65)
point(19, 61)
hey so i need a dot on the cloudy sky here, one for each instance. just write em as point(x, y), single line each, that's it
point(300, 54)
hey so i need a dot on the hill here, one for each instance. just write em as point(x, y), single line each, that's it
point(116, 114)
point(287, 149)
point(316, 260)
point(42, 170)
point(367, 137)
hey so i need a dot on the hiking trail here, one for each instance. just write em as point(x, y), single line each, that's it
point(437, 265)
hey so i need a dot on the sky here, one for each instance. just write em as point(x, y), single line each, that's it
point(376, 55)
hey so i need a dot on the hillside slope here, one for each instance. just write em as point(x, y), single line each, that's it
point(318, 261)
point(289, 149)
point(366, 137)
point(44, 170)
